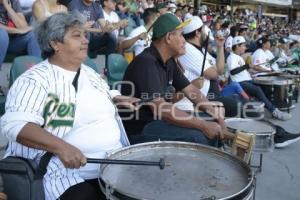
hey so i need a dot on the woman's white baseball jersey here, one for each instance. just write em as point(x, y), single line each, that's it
point(86, 119)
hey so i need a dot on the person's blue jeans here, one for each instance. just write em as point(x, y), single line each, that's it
point(256, 91)
point(18, 44)
point(161, 130)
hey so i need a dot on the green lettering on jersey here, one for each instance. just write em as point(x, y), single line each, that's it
point(57, 123)
point(51, 106)
point(58, 114)
point(72, 110)
point(63, 110)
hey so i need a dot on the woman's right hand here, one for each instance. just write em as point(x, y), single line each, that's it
point(32, 135)
point(71, 156)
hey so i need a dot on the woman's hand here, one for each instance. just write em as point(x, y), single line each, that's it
point(32, 135)
point(71, 157)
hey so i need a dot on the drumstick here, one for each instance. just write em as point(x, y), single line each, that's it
point(161, 163)
point(268, 61)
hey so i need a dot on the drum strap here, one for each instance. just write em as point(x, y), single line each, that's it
point(42, 168)
point(273, 60)
point(239, 69)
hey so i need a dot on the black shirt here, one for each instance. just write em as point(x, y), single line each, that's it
point(150, 77)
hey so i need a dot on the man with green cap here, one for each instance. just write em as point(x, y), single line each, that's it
point(154, 77)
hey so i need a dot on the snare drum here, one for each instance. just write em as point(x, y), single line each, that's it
point(278, 90)
point(196, 172)
point(264, 133)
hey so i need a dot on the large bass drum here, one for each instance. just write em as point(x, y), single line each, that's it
point(278, 90)
point(196, 172)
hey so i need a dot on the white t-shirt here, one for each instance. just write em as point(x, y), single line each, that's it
point(260, 58)
point(139, 45)
point(112, 18)
point(191, 61)
point(270, 56)
point(235, 61)
point(228, 43)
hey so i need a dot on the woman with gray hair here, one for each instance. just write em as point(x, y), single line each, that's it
point(62, 106)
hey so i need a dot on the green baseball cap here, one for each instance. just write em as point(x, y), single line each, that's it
point(167, 23)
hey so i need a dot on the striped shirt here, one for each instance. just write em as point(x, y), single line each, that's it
point(191, 62)
point(45, 95)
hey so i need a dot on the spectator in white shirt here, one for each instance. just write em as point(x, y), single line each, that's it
point(259, 57)
point(189, 14)
point(111, 16)
point(140, 37)
point(234, 31)
point(284, 59)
